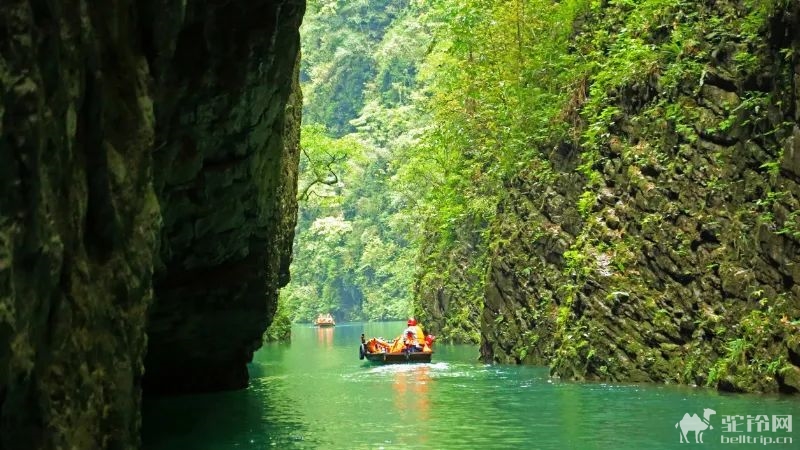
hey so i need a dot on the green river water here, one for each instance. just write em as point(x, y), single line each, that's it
point(316, 393)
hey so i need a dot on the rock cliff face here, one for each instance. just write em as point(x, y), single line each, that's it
point(141, 142)
point(226, 187)
point(453, 286)
point(672, 253)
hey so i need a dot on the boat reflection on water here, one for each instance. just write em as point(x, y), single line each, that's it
point(325, 337)
point(411, 398)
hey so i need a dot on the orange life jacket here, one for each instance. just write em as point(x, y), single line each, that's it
point(419, 333)
point(397, 346)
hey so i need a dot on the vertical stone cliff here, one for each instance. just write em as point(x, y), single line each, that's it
point(226, 186)
point(116, 118)
point(452, 285)
point(673, 253)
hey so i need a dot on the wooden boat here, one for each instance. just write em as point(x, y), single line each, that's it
point(390, 352)
point(325, 321)
point(401, 357)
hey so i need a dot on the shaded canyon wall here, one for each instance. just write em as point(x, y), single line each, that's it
point(148, 168)
point(227, 189)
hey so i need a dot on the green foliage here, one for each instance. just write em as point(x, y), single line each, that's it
point(586, 202)
point(322, 162)
point(339, 40)
point(497, 81)
point(350, 259)
point(425, 117)
point(354, 243)
point(281, 327)
point(748, 355)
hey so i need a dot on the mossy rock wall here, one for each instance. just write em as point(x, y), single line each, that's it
point(665, 246)
point(448, 292)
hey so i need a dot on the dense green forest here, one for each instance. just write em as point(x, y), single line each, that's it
point(517, 172)
point(385, 184)
point(414, 114)
point(356, 240)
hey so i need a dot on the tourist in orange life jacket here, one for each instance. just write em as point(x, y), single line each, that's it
point(413, 336)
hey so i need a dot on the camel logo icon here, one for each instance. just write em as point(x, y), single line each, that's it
point(696, 424)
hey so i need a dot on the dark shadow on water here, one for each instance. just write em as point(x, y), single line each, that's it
point(257, 417)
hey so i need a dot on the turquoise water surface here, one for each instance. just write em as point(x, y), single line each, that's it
point(316, 393)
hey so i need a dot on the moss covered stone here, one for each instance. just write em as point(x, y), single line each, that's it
point(672, 256)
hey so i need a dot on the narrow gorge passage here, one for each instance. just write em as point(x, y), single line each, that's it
point(579, 194)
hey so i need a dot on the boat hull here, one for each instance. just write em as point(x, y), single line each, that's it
point(398, 358)
point(325, 325)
